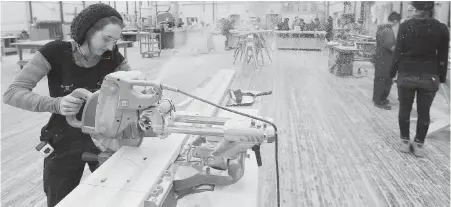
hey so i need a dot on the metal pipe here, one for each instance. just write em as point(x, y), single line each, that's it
point(449, 14)
point(217, 132)
point(400, 8)
point(61, 14)
point(200, 119)
point(31, 12)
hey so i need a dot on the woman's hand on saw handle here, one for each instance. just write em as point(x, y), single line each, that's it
point(70, 105)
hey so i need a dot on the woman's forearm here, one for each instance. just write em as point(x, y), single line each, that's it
point(19, 94)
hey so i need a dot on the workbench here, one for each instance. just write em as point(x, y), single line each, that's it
point(366, 49)
point(38, 44)
point(6, 44)
point(300, 40)
point(341, 60)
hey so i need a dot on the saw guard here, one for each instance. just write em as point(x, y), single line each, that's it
point(86, 124)
point(130, 136)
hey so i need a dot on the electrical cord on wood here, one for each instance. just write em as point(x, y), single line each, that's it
point(276, 151)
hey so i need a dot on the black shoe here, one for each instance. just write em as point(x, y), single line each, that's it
point(383, 106)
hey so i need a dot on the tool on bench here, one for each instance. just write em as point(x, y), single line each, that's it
point(117, 115)
point(244, 98)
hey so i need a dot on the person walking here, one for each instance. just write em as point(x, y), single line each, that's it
point(385, 44)
point(329, 29)
point(228, 24)
point(420, 61)
point(295, 23)
point(68, 65)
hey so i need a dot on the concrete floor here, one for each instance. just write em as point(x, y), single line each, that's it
point(336, 148)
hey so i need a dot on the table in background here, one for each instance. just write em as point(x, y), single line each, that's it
point(341, 60)
point(237, 35)
point(300, 40)
point(7, 42)
point(38, 44)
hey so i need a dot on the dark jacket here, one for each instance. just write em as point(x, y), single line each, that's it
point(227, 25)
point(385, 41)
point(422, 40)
point(283, 26)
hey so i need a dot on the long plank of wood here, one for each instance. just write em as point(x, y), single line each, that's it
point(127, 178)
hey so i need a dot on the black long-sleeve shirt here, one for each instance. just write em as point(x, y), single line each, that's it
point(422, 40)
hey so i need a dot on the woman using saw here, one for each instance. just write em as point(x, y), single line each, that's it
point(68, 65)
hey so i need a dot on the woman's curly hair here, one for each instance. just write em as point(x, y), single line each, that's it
point(88, 17)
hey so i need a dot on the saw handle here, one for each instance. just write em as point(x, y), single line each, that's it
point(258, 155)
point(80, 93)
point(147, 98)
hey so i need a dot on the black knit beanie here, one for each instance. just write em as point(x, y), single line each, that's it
point(88, 17)
point(423, 5)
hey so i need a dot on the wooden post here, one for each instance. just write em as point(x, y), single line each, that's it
point(114, 4)
point(126, 7)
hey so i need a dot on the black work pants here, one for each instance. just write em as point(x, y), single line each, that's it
point(64, 168)
point(424, 102)
point(381, 89)
point(226, 43)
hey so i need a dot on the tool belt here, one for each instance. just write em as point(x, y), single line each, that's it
point(418, 75)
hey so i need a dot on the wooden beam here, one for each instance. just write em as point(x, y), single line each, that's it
point(126, 179)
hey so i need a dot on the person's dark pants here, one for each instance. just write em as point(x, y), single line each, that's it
point(424, 102)
point(329, 36)
point(226, 43)
point(63, 169)
point(381, 90)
